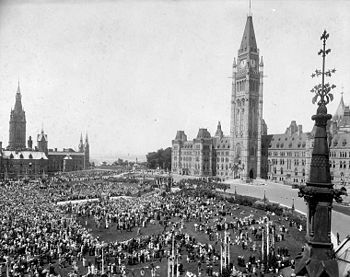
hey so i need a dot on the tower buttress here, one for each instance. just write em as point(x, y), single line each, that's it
point(260, 117)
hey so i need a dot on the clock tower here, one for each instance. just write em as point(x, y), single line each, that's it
point(247, 107)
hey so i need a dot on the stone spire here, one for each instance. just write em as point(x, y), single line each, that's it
point(317, 258)
point(18, 104)
point(17, 134)
point(86, 153)
point(81, 143)
point(340, 110)
point(248, 43)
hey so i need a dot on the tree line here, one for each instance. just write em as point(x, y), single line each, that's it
point(161, 158)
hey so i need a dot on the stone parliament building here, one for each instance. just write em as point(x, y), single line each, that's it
point(22, 160)
point(249, 152)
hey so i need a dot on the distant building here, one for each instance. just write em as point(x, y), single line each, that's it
point(17, 133)
point(289, 155)
point(19, 160)
point(339, 145)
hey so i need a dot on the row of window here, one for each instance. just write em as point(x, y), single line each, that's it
point(222, 167)
point(288, 154)
point(222, 153)
point(295, 180)
point(281, 171)
point(282, 162)
point(335, 143)
point(281, 145)
point(342, 164)
point(222, 160)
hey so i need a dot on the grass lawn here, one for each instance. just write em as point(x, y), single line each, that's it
point(294, 240)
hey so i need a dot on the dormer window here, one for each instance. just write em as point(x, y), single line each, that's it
point(11, 156)
point(30, 156)
point(21, 156)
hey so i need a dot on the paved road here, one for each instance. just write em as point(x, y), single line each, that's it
point(284, 195)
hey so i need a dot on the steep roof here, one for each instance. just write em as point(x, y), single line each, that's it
point(248, 42)
point(222, 143)
point(16, 155)
point(289, 142)
point(203, 134)
point(180, 135)
point(345, 119)
point(341, 140)
point(340, 110)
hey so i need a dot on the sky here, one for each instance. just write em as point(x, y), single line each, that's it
point(132, 73)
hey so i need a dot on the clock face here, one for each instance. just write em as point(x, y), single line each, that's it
point(243, 63)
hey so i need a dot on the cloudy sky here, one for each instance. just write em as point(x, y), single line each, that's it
point(131, 73)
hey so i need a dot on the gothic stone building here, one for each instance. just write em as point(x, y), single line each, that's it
point(239, 153)
point(248, 152)
point(20, 160)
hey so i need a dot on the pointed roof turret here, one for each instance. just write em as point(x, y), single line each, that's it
point(181, 136)
point(261, 62)
point(86, 138)
point(219, 132)
point(340, 110)
point(248, 43)
point(81, 143)
point(42, 136)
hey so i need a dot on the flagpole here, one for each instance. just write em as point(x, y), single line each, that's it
point(103, 264)
point(267, 243)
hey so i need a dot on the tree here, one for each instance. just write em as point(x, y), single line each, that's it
point(161, 158)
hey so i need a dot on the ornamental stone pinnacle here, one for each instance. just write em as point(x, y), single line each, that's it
point(317, 259)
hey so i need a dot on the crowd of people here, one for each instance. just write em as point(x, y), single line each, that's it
point(40, 238)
